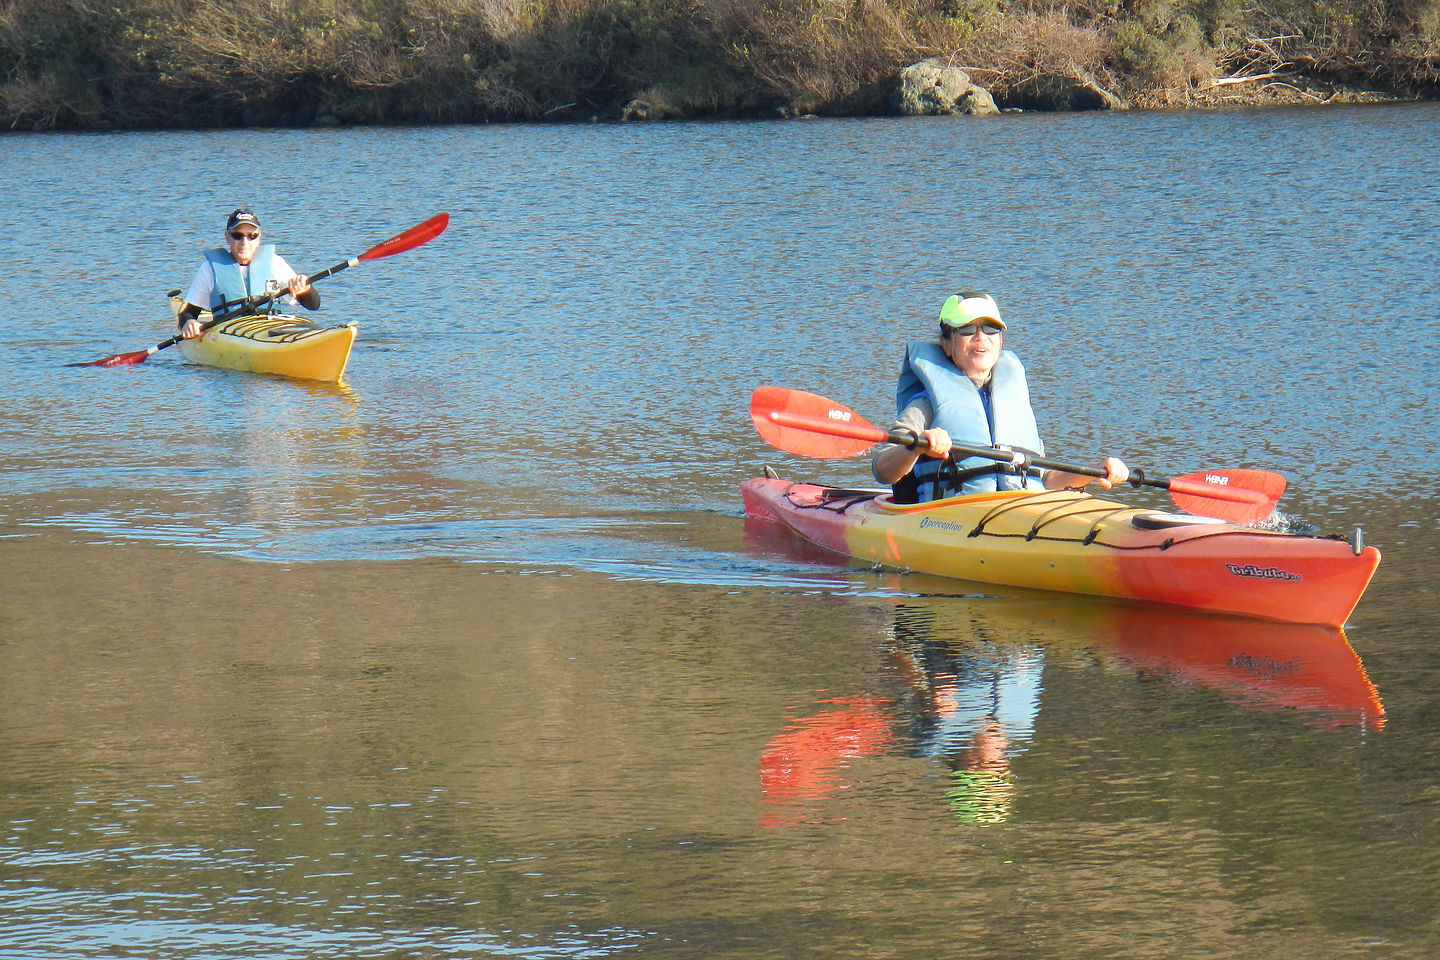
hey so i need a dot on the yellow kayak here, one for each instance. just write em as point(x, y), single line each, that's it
point(275, 343)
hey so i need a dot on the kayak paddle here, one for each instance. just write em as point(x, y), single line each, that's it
point(409, 240)
point(813, 426)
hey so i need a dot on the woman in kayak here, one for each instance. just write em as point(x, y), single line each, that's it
point(968, 389)
point(239, 270)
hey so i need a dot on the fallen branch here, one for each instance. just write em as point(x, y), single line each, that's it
point(1303, 93)
point(1228, 81)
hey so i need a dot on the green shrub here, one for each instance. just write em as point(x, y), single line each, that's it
point(1419, 20)
point(1162, 50)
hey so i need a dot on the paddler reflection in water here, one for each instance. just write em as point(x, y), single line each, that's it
point(241, 269)
point(978, 701)
point(968, 389)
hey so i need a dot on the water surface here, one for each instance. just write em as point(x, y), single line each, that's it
point(475, 656)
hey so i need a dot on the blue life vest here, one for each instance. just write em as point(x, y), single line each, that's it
point(230, 283)
point(960, 411)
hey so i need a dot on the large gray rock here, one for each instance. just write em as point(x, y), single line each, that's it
point(935, 88)
point(976, 102)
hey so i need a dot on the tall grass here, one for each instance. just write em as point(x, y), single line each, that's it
point(176, 63)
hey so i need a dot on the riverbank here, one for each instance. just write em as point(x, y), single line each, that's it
point(148, 64)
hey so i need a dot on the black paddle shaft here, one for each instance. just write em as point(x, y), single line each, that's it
point(240, 308)
point(1022, 459)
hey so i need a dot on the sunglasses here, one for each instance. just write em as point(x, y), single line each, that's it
point(237, 236)
point(989, 329)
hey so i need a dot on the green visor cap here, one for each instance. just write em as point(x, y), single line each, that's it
point(966, 308)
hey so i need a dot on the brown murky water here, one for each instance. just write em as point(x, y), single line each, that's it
point(207, 756)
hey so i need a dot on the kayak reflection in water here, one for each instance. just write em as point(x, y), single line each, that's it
point(243, 268)
point(963, 693)
point(967, 388)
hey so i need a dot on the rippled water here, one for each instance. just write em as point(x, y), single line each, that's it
point(1187, 290)
point(474, 655)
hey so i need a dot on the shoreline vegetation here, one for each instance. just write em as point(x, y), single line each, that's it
point(148, 64)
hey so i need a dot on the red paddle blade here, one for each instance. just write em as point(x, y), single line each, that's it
point(119, 360)
point(409, 240)
point(810, 425)
point(1239, 496)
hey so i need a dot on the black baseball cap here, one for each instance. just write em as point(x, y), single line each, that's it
point(243, 215)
